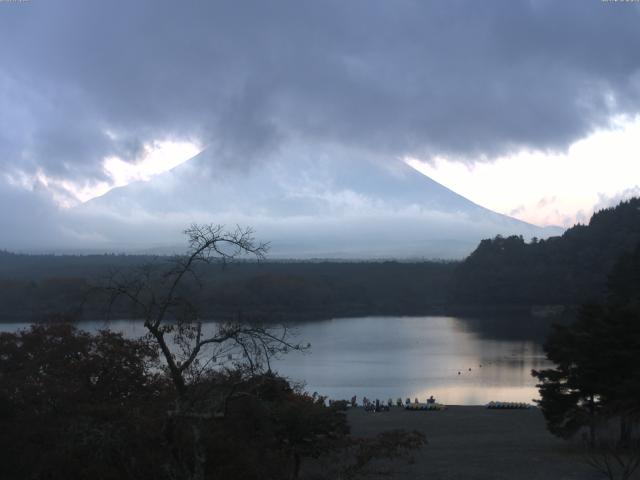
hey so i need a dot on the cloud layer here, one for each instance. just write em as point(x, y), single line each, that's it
point(83, 80)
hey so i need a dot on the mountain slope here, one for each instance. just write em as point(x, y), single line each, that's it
point(571, 269)
point(321, 205)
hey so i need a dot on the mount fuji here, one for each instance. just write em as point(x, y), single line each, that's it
point(319, 205)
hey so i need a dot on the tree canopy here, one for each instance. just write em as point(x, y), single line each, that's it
point(597, 374)
point(569, 270)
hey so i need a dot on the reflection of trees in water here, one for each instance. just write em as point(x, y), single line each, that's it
point(512, 347)
point(514, 370)
point(511, 328)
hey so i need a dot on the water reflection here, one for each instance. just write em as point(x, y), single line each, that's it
point(382, 357)
point(507, 327)
point(459, 361)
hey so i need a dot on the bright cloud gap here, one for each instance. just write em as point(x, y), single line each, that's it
point(157, 157)
point(549, 188)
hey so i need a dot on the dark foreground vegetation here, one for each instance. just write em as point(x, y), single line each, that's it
point(81, 406)
point(502, 273)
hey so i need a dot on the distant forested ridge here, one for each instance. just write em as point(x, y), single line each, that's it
point(34, 287)
point(566, 270)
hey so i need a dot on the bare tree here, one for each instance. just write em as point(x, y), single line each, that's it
point(192, 351)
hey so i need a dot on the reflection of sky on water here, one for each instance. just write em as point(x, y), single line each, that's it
point(382, 357)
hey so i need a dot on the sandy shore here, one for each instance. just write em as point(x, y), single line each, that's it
point(477, 443)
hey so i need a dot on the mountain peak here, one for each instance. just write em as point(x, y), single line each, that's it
point(320, 205)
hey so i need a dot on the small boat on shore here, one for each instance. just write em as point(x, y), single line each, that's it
point(425, 407)
point(508, 405)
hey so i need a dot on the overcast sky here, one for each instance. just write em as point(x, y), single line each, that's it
point(529, 107)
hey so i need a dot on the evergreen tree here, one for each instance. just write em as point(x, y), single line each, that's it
point(597, 375)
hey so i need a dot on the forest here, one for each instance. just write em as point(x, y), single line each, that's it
point(566, 270)
point(501, 273)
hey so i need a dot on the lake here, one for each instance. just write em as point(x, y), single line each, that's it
point(460, 361)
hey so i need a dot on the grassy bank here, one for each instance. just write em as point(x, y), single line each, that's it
point(480, 444)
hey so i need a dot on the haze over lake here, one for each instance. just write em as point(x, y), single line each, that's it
point(390, 357)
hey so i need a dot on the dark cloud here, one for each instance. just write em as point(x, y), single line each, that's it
point(83, 80)
point(28, 217)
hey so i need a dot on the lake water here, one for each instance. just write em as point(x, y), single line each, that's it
point(459, 361)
